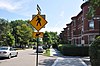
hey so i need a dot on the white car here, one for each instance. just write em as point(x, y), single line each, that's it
point(40, 49)
point(8, 52)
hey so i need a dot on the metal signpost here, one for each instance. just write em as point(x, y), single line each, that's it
point(38, 22)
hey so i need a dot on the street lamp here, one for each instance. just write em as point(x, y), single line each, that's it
point(98, 19)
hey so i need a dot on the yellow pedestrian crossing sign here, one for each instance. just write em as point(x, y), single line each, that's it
point(37, 34)
point(38, 22)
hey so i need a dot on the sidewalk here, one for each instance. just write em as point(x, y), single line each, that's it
point(68, 60)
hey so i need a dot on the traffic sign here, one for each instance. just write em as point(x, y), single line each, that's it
point(37, 34)
point(38, 22)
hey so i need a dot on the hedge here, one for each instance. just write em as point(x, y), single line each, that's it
point(74, 50)
point(94, 52)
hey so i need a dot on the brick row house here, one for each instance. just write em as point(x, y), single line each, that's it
point(82, 31)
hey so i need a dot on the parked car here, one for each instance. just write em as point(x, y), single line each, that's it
point(8, 52)
point(40, 49)
point(44, 47)
point(34, 47)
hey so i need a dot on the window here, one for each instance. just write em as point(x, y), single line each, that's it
point(3, 48)
point(91, 24)
point(68, 31)
point(68, 28)
point(74, 22)
point(91, 39)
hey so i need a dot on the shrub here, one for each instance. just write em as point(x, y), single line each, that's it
point(54, 46)
point(47, 52)
point(71, 50)
point(61, 46)
point(94, 52)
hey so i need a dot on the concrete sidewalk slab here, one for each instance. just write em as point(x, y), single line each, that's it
point(68, 62)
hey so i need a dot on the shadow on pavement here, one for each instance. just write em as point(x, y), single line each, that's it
point(46, 62)
point(36, 54)
point(3, 58)
point(56, 53)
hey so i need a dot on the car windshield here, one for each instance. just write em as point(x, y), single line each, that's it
point(3, 48)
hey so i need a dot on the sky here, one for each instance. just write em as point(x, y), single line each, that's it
point(58, 12)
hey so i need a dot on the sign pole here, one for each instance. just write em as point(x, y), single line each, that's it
point(38, 22)
point(37, 51)
point(39, 12)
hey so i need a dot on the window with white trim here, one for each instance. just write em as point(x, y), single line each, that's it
point(91, 24)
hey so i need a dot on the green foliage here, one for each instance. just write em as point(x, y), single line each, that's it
point(93, 6)
point(71, 50)
point(90, 13)
point(10, 39)
point(47, 52)
point(50, 37)
point(94, 52)
point(95, 3)
point(6, 38)
point(22, 32)
point(46, 37)
point(15, 33)
point(60, 46)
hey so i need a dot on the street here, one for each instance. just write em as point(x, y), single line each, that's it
point(27, 58)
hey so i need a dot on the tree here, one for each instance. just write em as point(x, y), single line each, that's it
point(93, 6)
point(46, 37)
point(15, 33)
point(22, 32)
point(54, 37)
point(50, 38)
point(5, 29)
point(10, 39)
point(2, 28)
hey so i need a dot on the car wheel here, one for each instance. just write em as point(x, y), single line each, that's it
point(16, 54)
point(9, 56)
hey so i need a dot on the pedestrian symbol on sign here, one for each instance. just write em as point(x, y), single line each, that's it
point(38, 21)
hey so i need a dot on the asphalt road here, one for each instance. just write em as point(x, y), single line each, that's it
point(27, 58)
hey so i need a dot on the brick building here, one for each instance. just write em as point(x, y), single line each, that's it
point(82, 31)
